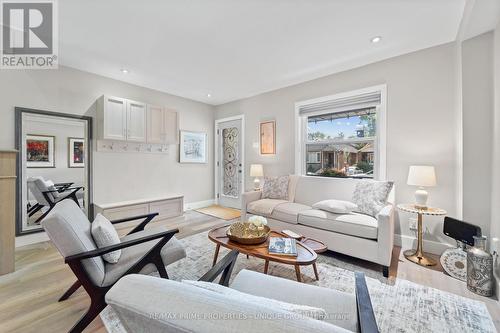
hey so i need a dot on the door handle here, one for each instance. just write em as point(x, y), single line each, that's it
point(239, 171)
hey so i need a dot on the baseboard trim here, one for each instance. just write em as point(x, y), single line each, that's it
point(407, 242)
point(31, 239)
point(198, 204)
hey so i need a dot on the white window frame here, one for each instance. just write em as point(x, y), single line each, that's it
point(380, 156)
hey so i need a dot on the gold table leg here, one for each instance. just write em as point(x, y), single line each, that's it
point(418, 256)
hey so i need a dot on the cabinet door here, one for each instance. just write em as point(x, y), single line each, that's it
point(136, 121)
point(155, 128)
point(114, 118)
point(171, 126)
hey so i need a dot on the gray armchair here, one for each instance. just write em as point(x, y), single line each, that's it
point(47, 194)
point(148, 304)
point(143, 251)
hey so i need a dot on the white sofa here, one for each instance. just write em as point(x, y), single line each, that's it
point(358, 235)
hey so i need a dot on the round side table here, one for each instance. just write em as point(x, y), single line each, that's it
point(418, 256)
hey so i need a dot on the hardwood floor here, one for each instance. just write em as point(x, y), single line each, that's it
point(29, 295)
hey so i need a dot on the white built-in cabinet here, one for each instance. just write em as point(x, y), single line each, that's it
point(112, 120)
point(166, 206)
point(136, 121)
point(162, 125)
point(121, 119)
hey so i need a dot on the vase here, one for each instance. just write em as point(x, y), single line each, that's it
point(480, 268)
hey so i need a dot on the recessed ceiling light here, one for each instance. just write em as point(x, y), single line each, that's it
point(124, 70)
point(208, 95)
point(376, 39)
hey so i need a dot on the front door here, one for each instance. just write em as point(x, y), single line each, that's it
point(229, 163)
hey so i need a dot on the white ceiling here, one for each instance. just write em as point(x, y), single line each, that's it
point(233, 49)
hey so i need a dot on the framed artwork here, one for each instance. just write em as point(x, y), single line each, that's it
point(268, 137)
point(193, 147)
point(76, 153)
point(40, 151)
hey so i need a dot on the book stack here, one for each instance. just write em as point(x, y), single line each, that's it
point(283, 246)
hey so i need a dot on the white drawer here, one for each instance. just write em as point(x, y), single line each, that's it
point(126, 211)
point(167, 208)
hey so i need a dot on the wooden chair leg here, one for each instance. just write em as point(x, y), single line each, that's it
point(96, 306)
point(158, 262)
point(75, 199)
point(43, 215)
point(34, 209)
point(162, 271)
point(74, 287)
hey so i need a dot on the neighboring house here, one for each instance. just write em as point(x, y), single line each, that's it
point(339, 156)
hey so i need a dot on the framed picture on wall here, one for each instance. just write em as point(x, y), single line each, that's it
point(268, 137)
point(193, 147)
point(40, 151)
point(76, 153)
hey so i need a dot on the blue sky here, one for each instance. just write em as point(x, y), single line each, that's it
point(332, 128)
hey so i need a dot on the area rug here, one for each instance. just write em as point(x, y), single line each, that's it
point(399, 305)
point(220, 212)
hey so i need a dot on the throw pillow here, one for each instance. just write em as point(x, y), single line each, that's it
point(336, 206)
point(275, 188)
point(303, 310)
point(105, 234)
point(371, 196)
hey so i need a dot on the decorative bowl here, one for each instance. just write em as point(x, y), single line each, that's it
point(247, 233)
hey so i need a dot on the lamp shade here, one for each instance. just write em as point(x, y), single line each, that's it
point(256, 170)
point(422, 175)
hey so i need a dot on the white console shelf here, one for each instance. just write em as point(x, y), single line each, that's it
point(166, 206)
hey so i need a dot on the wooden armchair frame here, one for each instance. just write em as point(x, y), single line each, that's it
point(96, 293)
point(60, 188)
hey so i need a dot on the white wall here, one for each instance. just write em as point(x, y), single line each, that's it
point(116, 176)
point(421, 122)
point(477, 110)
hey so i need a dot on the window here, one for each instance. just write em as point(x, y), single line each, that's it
point(343, 135)
point(342, 143)
point(313, 157)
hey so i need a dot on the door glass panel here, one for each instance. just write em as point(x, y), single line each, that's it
point(230, 139)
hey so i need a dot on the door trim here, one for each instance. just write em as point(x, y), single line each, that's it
point(216, 153)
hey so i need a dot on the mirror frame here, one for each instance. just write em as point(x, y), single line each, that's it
point(19, 111)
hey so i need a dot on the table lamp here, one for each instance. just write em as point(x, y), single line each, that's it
point(256, 170)
point(421, 176)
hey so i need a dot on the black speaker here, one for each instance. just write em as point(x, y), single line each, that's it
point(461, 231)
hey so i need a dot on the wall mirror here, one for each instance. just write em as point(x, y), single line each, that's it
point(54, 164)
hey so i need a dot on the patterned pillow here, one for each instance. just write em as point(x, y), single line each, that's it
point(371, 196)
point(275, 188)
point(105, 234)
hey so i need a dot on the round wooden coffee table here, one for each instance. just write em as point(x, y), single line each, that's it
point(305, 254)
